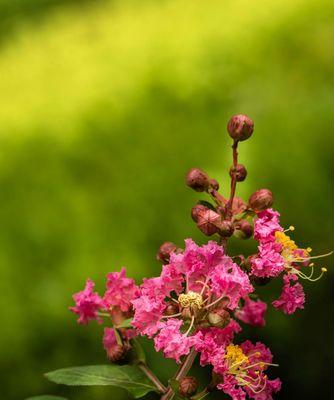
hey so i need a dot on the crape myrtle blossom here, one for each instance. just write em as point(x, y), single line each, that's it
point(279, 254)
point(195, 309)
point(252, 312)
point(197, 281)
point(242, 371)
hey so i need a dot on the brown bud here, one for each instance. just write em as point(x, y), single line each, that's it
point(165, 251)
point(116, 352)
point(197, 211)
point(261, 199)
point(188, 386)
point(220, 318)
point(226, 228)
point(214, 184)
point(261, 281)
point(243, 229)
point(197, 180)
point(209, 222)
point(240, 127)
point(172, 308)
point(239, 171)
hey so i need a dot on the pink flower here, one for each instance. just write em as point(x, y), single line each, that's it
point(227, 279)
point(269, 263)
point(252, 312)
point(292, 297)
point(266, 224)
point(120, 291)
point(109, 338)
point(174, 343)
point(87, 304)
point(148, 312)
point(212, 340)
point(242, 370)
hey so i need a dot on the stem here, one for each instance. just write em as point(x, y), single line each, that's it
point(181, 373)
point(152, 377)
point(233, 181)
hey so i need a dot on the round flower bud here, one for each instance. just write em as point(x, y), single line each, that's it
point(171, 309)
point(261, 199)
point(165, 251)
point(214, 184)
point(240, 127)
point(188, 386)
point(198, 180)
point(209, 222)
point(219, 319)
point(226, 228)
point(243, 229)
point(239, 171)
point(197, 211)
point(116, 352)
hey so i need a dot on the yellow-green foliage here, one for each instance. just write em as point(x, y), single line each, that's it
point(103, 108)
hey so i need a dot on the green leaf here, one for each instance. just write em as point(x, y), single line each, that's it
point(46, 397)
point(129, 377)
point(125, 324)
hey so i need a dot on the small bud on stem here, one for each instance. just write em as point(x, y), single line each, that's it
point(188, 386)
point(240, 127)
point(198, 180)
point(165, 251)
point(261, 200)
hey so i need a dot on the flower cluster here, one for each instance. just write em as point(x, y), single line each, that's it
point(203, 297)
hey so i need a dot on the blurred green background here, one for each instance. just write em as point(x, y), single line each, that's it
point(104, 105)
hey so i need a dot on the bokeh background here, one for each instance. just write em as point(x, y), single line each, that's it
point(104, 105)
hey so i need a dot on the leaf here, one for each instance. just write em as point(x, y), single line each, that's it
point(46, 397)
point(129, 377)
point(125, 324)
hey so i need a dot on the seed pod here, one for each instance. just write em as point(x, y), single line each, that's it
point(240, 127)
point(239, 171)
point(209, 223)
point(172, 308)
point(197, 180)
point(226, 228)
point(214, 184)
point(165, 251)
point(116, 352)
point(261, 200)
point(188, 386)
point(198, 211)
point(243, 229)
point(219, 319)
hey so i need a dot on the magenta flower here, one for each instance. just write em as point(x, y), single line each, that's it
point(292, 297)
point(252, 312)
point(87, 304)
point(120, 291)
point(266, 224)
point(172, 342)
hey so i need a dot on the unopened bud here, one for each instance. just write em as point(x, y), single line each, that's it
point(240, 127)
point(219, 319)
point(239, 171)
point(243, 229)
point(214, 184)
point(116, 352)
point(188, 386)
point(197, 180)
point(261, 200)
point(172, 308)
point(226, 228)
point(165, 251)
point(197, 211)
point(209, 222)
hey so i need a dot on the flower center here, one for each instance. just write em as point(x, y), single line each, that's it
point(191, 299)
point(235, 356)
point(286, 242)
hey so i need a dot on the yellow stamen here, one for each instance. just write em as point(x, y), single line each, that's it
point(191, 299)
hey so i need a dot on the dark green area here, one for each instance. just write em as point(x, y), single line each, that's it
point(102, 111)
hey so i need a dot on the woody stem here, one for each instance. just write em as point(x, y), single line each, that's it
point(181, 373)
point(233, 180)
point(152, 377)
